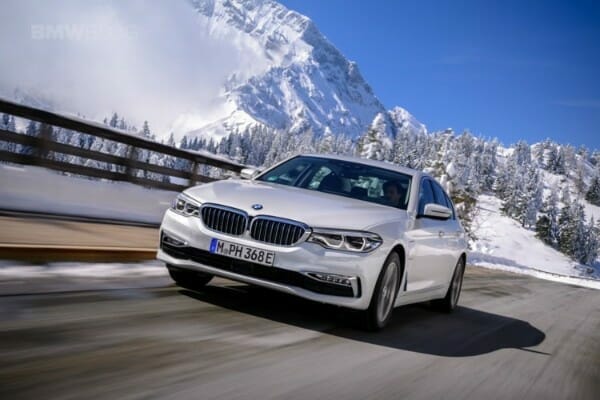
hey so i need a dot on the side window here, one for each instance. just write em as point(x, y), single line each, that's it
point(450, 206)
point(425, 195)
point(440, 196)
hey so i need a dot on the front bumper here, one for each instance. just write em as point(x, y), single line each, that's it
point(259, 271)
point(297, 270)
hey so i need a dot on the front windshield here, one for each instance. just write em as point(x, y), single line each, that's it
point(343, 178)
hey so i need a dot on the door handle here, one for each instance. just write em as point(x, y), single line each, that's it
point(441, 233)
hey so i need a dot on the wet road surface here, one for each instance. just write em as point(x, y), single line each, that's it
point(513, 337)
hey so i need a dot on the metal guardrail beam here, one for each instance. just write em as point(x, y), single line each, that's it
point(36, 142)
point(96, 129)
point(44, 144)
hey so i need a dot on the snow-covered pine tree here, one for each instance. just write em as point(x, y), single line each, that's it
point(521, 154)
point(591, 243)
point(8, 122)
point(595, 158)
point(593, 193)
point(579, 174)
point(558, 167)
point(374, 143)
point(302, 143)
point(573, 231)
point(546, 227)
point(418, 155)
point(32, 129)
point(5, 146)
point(489, 164)
point(565, 195)
point(553, 212)
point(142, 154)
point(542, 229)
point(550, 156)
point(514, 199)
point(568, 228)
point(580, 248)
point(12, 125)
point(235, 151)
point(532, 197)
point(326, 143)
point(500, 185)
point(114, 120)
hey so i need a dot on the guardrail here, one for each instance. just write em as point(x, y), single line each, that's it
point(45, 144)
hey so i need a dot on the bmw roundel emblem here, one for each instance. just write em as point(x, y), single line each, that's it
point(257, 206)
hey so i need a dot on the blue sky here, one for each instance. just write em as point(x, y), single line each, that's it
point(506, 69)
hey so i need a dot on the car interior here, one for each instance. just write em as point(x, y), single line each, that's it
point(342, 178)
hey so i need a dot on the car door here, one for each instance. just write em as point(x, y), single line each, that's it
point(428, 256)
point(448, 234)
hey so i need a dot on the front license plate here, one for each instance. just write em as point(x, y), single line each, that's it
point(242, 252)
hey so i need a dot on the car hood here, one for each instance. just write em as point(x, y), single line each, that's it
point(314, 208)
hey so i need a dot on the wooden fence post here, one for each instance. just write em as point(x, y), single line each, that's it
point(44, 137)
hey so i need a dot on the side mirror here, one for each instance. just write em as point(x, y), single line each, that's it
point(436, 211)
point(248, 173)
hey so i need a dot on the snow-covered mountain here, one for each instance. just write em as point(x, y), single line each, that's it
point(307, 82)
point(214, 67)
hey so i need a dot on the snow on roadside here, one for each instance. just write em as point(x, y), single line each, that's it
point(572, 280)
point(503, 244)
point(15, 269)
point(28, 188)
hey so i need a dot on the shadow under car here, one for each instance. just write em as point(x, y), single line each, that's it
point(418, 328)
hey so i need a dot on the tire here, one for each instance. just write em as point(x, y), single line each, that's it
point(449, 302)
point(192, 280)
point(381, 307)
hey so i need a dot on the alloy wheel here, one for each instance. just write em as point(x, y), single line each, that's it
point(386, 294)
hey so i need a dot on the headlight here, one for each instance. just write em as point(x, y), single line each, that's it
point(186, 206)
point(356, 241)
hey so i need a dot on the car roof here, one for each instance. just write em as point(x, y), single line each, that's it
point(374, 163)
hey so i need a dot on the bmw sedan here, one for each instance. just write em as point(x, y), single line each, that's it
point(356, 233)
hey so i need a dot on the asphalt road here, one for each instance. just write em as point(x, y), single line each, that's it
point(514, 337)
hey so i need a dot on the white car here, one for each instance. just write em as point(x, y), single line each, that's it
point(356, 233)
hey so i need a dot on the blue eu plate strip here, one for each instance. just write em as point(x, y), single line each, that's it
point(213, 245)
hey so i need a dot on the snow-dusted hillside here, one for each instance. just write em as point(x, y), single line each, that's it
point(504, 244)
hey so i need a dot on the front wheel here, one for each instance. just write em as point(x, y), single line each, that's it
point(187, 279)
point(448, 303)
point(380, 309)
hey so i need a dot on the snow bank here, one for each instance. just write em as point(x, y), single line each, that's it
point(17, 278)
point(572, 280)
point(503, 244)
point(14, 269)
point(37, 189)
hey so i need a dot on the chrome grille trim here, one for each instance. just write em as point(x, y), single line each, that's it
point(278, 231)
point(224, 219)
